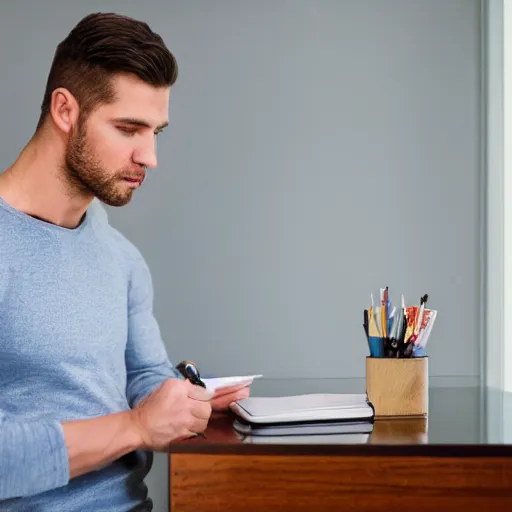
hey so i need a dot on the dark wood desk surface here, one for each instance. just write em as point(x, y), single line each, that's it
point(401, 465)
point(397, 437)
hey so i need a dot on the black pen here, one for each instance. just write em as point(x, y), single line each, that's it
point(190, 371)
point(402, 342)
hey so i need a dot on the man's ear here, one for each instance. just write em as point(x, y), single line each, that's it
point(64, 109)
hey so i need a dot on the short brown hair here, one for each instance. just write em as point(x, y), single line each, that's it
point(100, 46)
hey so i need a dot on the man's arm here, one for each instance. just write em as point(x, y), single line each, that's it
point(173, 410)
point(37, 456)
point(33, 457)
point(95, 442)
point(147, 362)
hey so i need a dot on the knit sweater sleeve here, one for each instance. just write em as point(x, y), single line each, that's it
point(33, 457)
point(147, 362)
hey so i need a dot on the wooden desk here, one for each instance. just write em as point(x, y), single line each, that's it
point(395, 468)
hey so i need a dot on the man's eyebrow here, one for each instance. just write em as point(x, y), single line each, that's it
point(139, 122)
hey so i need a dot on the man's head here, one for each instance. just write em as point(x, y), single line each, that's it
point(108, 96)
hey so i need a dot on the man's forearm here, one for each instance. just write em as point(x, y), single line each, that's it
point(95, 442)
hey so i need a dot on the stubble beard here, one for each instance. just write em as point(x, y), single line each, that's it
point(87, 176)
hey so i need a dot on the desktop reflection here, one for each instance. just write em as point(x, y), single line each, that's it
point(456, 415)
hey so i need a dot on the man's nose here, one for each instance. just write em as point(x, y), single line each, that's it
point(145, 155)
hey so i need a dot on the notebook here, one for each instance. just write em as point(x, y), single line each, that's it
point(304, 414)
point(308, 428)
point(357, 438)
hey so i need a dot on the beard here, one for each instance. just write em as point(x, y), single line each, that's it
point(88, 176)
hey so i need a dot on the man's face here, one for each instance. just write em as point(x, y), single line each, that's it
point(108, 153)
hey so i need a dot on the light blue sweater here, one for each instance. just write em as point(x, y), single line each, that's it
point(77, 340)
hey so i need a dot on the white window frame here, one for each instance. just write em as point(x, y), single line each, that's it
point(507, 169)
point(497, 225)
point(496, 297)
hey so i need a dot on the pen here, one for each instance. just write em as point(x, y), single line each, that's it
point(394, 331)
point(190, 371)
point(418, 320)
point(383, 311)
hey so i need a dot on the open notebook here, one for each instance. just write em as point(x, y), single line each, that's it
point(304, 414)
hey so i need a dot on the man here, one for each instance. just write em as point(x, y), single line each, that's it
point(87, 392)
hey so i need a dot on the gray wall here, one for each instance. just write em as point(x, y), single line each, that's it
point(318, 150)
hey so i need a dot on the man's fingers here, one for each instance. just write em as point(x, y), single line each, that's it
point(229, 390)
point(201, 410)
point(199, 426)
point(223, 402)
point(199, 393)
point(186, 435)
point(241, 394)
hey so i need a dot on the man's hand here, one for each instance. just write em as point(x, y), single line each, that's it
point(224, 397)
point(175, 410)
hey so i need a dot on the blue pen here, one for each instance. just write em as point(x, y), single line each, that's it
point(376, 346)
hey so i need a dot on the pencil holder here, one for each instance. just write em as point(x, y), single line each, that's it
point(397, 387)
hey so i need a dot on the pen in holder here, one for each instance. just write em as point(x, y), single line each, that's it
point(398, 332)
point(397, 386)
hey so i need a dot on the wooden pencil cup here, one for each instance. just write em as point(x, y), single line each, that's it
point(397, 387)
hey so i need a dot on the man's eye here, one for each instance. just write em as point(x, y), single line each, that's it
point(128, 131)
